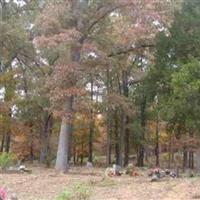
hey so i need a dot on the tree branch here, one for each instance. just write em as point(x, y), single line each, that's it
point(130, 49)
point(105, 14)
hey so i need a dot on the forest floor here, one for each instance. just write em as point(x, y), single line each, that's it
point(46, 184)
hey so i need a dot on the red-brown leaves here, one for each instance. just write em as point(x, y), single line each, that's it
point(66, 36)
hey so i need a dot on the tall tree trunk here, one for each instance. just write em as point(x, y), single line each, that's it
point(126, 142)
point(45, 137)
point(31, 153)
point(91, 127)
point(70, 146)
point(169, 151)
point(173, 156)
point(82, 151)
point(7, 143)
point(74, 154)
point(66, 124)
point(109, 138)
point(116, 132)
point(140, 162)
point(77, 157)
point(2, 143)
point(65, 131)
point(191, 154)
point(126, 131)
point(157, 150)
point(140, 159)
point(8, 134)
point(191, 159)
point(121, 137)
point(185, 158)
point(198, 160)
point(109, 122)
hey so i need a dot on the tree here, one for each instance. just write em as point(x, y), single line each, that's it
point(175, 50)
point(71, 30)
point(15, 46)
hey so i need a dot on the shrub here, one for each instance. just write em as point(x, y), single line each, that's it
point(6, 159)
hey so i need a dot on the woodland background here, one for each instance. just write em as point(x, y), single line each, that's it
point(103, 81)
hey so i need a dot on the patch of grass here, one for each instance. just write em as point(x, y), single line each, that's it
point(79, 191)
point(65, 195)
point(6, 160)
point(106, 182)
point(82, 191)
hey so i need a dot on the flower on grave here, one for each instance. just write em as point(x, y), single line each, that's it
point(2, 194)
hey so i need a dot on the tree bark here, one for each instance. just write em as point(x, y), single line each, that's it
point(126, 131)
point(65, 131)
point(2, 143)
point(121, 137)
point(170, 151)
point(62, 158)
point(91, 127)
point(191, 160)
point(109, 138)
point(7, 143)
point(74, 154)
point(31, 153)
point(116, 133)
point(82, 151)
point(198, 161)
point(45, 137)
point(140, 161)
point(70, 146)
point(185, 158)
point(109, 122)
point(126, 146)
point(157, 149)
point(191, 154)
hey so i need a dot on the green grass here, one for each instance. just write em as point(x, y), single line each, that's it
point(79, 191)
point(6, 160)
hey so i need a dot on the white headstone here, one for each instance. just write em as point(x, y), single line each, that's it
point(89, 165)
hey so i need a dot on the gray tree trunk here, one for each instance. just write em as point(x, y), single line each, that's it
point(66, 124)
point(65, 131)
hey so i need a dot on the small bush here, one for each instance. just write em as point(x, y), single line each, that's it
point(6, 159)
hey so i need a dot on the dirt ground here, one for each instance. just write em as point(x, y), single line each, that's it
point(46, 184)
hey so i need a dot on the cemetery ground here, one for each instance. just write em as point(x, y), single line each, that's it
point(47, 184)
